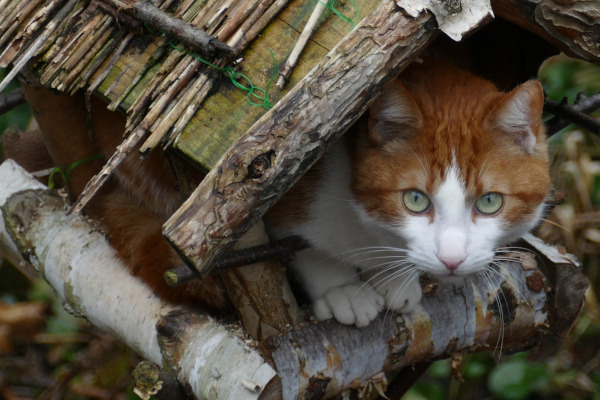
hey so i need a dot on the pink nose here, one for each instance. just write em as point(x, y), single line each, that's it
point(451, 263)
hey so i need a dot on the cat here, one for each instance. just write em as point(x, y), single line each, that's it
point(442, 170)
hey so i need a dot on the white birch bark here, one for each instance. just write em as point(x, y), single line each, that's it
point(79, 264)
point(456, 18)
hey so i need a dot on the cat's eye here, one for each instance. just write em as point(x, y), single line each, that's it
point(416, 201)
point(489, 203)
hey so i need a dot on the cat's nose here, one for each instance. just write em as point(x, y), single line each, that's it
point(451, 262)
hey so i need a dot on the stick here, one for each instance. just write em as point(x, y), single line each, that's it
point(177, 28)
point(577, 114)
point(283, 248)
point(11, 99)
point(300, 44)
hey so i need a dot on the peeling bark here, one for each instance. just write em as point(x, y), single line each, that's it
point(92, 283)
point(571, 25)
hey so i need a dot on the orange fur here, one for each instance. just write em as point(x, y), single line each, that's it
point(133, 205)
point(450, 110)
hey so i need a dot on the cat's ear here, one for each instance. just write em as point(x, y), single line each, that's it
point(393, 115)
point(519, 115)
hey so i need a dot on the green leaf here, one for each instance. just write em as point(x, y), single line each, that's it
point(517, 379)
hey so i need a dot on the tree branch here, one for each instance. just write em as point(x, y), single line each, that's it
point(93, 283)
point(576, 114)
point(176, 28)
point(10, 100)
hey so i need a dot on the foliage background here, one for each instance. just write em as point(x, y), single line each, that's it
point(45, 353)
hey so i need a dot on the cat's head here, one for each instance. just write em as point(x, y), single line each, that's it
point(455, 171)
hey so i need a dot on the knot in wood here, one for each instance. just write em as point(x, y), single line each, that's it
point(260, 164)
point(452, 6)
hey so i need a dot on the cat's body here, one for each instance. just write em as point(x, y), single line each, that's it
point(443, 171)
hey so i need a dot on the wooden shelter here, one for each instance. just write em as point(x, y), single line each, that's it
point(174, 68)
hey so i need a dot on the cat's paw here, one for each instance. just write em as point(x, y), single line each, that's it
point(401, 296)
point(355, 304)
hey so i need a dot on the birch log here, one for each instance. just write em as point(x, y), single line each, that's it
point(506, 311)
point(79, 264)
point(268, 159)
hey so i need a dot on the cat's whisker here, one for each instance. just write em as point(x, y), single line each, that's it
point(556, 224)
point(512, 284)
point(413, 273)
point(488, 280)
point(366, 251)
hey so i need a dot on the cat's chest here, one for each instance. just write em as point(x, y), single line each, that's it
point(335, 221)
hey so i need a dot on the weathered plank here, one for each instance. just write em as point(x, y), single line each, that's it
point(279, 147)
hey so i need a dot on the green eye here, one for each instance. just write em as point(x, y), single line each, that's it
point(489, 203)
point(416, 201)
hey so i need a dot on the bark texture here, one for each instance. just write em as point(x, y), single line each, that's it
point(573, 26)
point(86, 274)
point(269, 158)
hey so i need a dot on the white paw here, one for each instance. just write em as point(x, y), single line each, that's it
point(356, 304)
point(401, 296)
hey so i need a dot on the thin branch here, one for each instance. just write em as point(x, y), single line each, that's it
point(576, 114)
point(10, 100)
point(284, 248)
point(300, 44)
point(174, 27)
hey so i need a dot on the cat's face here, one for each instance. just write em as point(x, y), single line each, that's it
point(453, 175)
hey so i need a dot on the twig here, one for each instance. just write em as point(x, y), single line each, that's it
point(175, 27)
point(283, 248)
point(300, 44)
point(99, 179)
point(256, 23)
point(576, 114)
point(10, 100)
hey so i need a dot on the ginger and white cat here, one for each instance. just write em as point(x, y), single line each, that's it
point(443, 171)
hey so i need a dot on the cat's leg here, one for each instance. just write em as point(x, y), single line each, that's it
point(401, 293)
point(336, 289)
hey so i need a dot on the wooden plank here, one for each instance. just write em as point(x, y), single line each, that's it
point(269, 158)
point(226, 115)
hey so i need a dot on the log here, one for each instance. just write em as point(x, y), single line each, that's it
point(505, 312)
point(92, 282)
point(570, 25)
point(268, 159)
point(260, 292)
